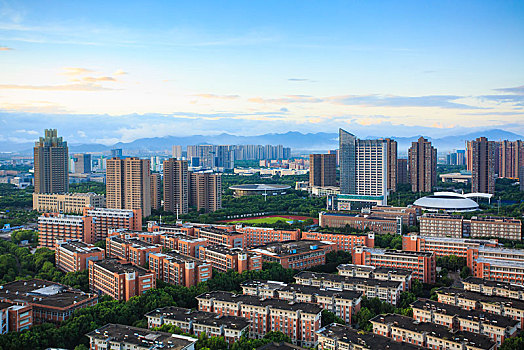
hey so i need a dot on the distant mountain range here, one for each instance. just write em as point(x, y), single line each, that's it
point(297, 141)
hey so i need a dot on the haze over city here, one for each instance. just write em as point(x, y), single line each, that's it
point(109, 72)
point(261, 175)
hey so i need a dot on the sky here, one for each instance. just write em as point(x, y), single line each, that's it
point(109, 71)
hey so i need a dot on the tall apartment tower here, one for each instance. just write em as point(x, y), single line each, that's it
point(128, 184)
point(82, 163)
point(510, 158)
point(392, 164)
point(363, 166)
point(177, 152)
point(322, 170)
point(482, 165)
point(205, 191)
point(176, 191)
point(116, 153)
point(402, 171)
point(156, 182)
point(51, 164)
point(422, 165)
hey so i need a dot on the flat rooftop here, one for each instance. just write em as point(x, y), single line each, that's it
point(79, 247)
point(41, 292)
point(436, 330)
point(290, 247)
point(114, 265)
point(369, 341)
point(494, 284)
point(347, 280)
point(141, 337)
point(492, 319)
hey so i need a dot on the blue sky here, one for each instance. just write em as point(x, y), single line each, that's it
point(143, 69)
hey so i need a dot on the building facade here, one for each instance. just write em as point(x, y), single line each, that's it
point(128, 184)
point(422, 164)
point(74, 255)
point(481, 159)
point(51, 164)
point(176, 187)
point(322, 170)
point(205, 191)
point(156, 190)
point(67, 203)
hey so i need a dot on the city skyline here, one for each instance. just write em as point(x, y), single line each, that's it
point(126, 71)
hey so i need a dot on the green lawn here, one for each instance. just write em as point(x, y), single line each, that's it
point(270, 220)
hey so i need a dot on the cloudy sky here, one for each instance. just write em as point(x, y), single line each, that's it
point(107, 71)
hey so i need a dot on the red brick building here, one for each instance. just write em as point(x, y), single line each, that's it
point(15, 318)
point(179, 269)
point(443, 246)
point(225, 259)
point(50, 301)
point(374, 222)
point(344, 241)
point(130, 249)
point(216, 236)
point(119, 280)
point(105, 219)
point(297, 255)
point(423, 264)
point(73, 255)
point(53, 227)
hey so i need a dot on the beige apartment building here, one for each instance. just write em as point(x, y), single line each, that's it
point(67, 203)
point(128, 184)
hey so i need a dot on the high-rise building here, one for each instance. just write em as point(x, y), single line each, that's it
point(402, 171)
point(128, 184)
point(205, 191)
point(482, 157)
point(322, 170)
point(204, 153)
point(335, 152)
point(363, 166)
point(82, 163)
point(456, 158)
point(511, 158)
point(177, 152)
point(116, 153)
point(51, 164)
point(176, 190)
point(156, 182)
point(422, 164)
point(392, 164)
point(225, 157)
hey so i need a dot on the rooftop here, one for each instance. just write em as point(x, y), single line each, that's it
point(492, 319)
point(370, 341)
point(77, 246)
point(259, 187)
point(114, 265)
point(280, 346)
point(289, 247)
point(491, 299)
point(41, 292)
point(347, 279)
point(494, 284)
point(439, 331)
point(142, 337)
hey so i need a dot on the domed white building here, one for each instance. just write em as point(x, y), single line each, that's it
point(448, 202)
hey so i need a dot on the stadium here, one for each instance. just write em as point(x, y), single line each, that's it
point(259, 189)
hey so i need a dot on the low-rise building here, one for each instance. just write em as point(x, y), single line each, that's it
point(15, 318)
point(49, 301)
point(254, 236)
point(373, 221)
point(446, 225)
point(74, 255)
point(297, 320)
point(495, 288)
point(298, 255)
point(378, 273)
point(339, 337)
point(224, 259)
point(423, 264)
point(496, 327)
point(105, 219)
point(232, 328)
point(443, 246)
point(344, 241)
point(130, 249)
point(68, 203)
point(178, 269)
point(117, 336)
point(468, 300)
point(343, 303)
point(53, 227)
point(218, 236)
point(119, 280)
point(428, 335)
point(388, 291)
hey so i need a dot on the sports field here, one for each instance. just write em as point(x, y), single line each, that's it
point(270, 219)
